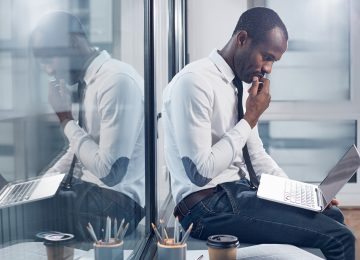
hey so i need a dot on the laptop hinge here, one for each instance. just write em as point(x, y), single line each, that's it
point(320, 198)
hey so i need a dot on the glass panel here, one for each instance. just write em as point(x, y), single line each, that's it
point(316, 65)
point(46, 57)
point(161, 77)
point(307, 150)
point(6, 99)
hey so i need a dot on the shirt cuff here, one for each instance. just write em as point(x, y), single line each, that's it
point(70, 128)
point(238, 136)
point(74, 133)
point(243, 126)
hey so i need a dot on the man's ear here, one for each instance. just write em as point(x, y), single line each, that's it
point(75, 41)
point(241, 38)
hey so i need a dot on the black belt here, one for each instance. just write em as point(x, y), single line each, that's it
point(186, 204)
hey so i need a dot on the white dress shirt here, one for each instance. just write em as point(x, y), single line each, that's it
point(203, 139)
point(110, 146)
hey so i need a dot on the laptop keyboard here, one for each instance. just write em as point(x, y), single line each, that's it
point(299, 193)
point(19, 192)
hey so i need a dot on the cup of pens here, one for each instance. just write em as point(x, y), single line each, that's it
point(111, 247)
point(171, 248)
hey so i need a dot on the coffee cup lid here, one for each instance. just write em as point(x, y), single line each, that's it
point(58, 239)
point(41, 235)
point(222, 241)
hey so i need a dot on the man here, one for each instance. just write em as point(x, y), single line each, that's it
point(208, 149)
point(108, 139)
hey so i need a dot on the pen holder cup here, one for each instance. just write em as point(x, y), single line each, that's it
point(171, 252)
point(113, 251)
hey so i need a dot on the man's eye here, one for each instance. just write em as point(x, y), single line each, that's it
point(268, 58)
point(45, 61)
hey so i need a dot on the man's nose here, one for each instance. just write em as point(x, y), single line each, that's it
point(267, 67)
point(48, 69)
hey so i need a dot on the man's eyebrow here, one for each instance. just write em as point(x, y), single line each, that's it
point(270, 55)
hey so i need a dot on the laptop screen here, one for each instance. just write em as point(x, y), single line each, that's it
point(340, 174)
point(3, 182)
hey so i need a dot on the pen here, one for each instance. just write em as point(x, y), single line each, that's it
point(124, 232)
point(120, 229)
point(165, 233)
point(175, 230)
point(157, 233)
point(115, 228)
point(106, 230)
point(187, 233)
point(92, 233)
point(161, 227)
point(200, 257)
point(180, 233)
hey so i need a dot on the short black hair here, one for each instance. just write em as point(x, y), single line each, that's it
point(60, 22)
point(259, 20)
point(56, 28)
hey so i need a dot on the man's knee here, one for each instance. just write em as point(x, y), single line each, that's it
point(335, 213)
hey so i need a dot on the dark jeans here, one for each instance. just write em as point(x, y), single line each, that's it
point(69, 212)
point(235, 210)
point(87, 202)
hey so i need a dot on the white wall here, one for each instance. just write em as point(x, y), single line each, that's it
point(210, 24)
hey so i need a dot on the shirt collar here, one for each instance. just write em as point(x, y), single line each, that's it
point(222, 66)
point(95, 65)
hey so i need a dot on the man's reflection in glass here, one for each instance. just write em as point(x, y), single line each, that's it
point(108, 137)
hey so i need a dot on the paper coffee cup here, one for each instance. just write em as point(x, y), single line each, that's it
point(58, 246)
point(222, 247)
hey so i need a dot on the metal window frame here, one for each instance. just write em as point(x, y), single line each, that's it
point(147, 247)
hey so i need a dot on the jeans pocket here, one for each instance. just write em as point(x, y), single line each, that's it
point(196, 232)
point(217, 203)
point(205, 208)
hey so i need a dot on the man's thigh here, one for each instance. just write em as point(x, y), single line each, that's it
point(238, 211)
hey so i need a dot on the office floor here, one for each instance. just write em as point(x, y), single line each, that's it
point(352, 219)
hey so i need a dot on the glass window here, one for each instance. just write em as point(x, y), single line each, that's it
point(87, 57)
point(307, 150)
point(161, 79)
point(316, 65)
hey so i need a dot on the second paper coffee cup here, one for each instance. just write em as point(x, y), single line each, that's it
point(58, 246)
point(222, 247)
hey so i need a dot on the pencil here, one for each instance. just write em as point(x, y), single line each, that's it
point(157, 233)
point(187, 233)
point(124, 232)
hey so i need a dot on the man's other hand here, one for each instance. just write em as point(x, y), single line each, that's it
point(334, 202)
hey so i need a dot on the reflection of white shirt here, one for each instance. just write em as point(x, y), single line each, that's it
point(111, 150)
point(203, 140)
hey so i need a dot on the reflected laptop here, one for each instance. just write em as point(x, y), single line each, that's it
point(15, 193)
point(308, 196)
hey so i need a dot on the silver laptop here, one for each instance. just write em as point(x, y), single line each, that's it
point(308, 196)
point(21, 192)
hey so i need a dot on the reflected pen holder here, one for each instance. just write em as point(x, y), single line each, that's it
point(170, 251)
point(111, 251)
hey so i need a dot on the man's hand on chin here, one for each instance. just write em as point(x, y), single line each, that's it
point(60, 99)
